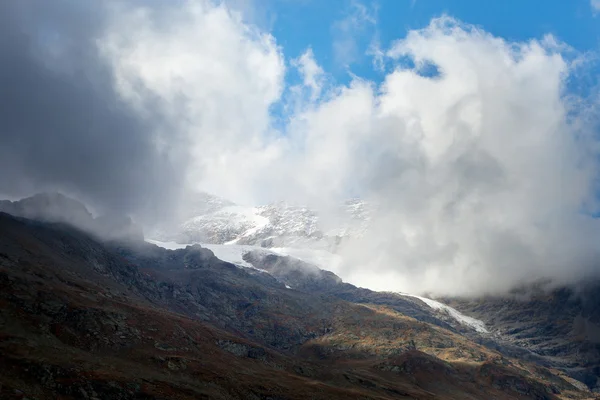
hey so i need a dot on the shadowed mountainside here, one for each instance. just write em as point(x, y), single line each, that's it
point(560, 325)
point(80, 318)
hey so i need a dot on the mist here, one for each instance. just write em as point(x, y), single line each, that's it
point(481, 160)
point(63, 127)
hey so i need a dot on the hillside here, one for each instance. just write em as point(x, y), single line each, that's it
point(81, 318)
point(561, 326)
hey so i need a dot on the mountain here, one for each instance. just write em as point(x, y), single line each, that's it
point(560, 325)
point(524, 329)
point(475, 318)
point(297, 274)
point(213, 220)
point(83, 317)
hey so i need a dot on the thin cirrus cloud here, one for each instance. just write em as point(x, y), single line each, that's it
point(359, 21)
point(481, 174)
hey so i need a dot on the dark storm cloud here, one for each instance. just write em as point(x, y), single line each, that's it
point(62, 125)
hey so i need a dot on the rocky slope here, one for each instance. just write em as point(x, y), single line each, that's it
point(559, 325)
point(83, 318)
point(557, 329)
point(297, 274)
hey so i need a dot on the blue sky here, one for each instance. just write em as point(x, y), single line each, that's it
point(297, 25)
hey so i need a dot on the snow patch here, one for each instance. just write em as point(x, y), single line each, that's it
point(234, 253)
point(169, 245)
point(244, 215)
point(322, 259)
point(476, 324)
point(231, 253)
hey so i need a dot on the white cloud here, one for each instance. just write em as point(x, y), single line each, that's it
point(214, 74)
point(480, 172)
point(377, 53)
point(312, 73)
point(480, 176)
point(359, 22)
point(595, 4)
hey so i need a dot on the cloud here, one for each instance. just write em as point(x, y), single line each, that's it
point(312, 73)
point(62, 126)
point(377, 53)
point(216, 76)
point(359, 21)
point(132, 119)
point(484, 172)
point(481, 173)
point(595, 4)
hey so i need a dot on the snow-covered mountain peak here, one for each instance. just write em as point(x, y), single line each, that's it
point(217, 221)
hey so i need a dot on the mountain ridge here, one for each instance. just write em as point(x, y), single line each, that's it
point(267, 305)
point(111, 309)
point(277, 224)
